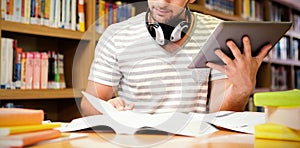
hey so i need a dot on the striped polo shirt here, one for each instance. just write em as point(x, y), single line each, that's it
point(145, 74)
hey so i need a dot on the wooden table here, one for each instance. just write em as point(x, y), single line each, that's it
point(222, 139)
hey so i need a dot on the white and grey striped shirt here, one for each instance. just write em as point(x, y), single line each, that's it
point(154, 80)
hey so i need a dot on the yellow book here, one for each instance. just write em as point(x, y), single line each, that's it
point(276, 132)
point(8, 130)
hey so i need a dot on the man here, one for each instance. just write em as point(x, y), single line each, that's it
point(145, 61)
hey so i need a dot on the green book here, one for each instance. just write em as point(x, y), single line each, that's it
point(290, 98)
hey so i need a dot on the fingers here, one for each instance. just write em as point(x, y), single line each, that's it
point(264, 52)
point(120, 104)
point(130, 106)
point(223, 57)
point(234, 49)
point(247, 47)
point(216, 66)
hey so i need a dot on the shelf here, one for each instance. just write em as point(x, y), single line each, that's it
point(18, 94)
point(202, 9)
point(284, 62)
point(41, 30)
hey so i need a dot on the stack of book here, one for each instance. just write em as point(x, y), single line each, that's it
point(282, 110)
point(22, 127)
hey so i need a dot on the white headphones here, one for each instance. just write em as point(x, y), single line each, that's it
point(163, 33)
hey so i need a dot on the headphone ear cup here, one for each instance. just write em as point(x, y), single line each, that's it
point(159, 34)
point(178, 31)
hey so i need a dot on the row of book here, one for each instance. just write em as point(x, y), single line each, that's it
point(108, 13)
point(278, 12)
point(30, 70)
point(224, 6)
point(285, 49)
point(67, 14)
point(253, 10)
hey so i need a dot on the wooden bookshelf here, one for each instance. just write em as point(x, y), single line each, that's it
point(19, 94)
point(41, 30)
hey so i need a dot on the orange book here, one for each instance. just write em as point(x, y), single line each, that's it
point(25, 139)
point(20, 116)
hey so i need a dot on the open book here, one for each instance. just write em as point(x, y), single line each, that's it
point(188, 124)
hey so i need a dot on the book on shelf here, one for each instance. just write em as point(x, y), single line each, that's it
point(81, 16)
point(6, 62)
point(44, 70)
point(36, 70)
point(29, 70)
point(17, 67)
point(108, 13)
point(224, 6)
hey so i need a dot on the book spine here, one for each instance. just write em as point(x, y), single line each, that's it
point(36, 70)
point(27, 11)
point(62, 83)
point(3, 9)
point(29, 70)
point(23, 70)
point(9, 67)
point(73, 14)
point(51, 70)
point(32, 12)
point(51, 13)
point(44, 70)
point(3, 63)
point(63, 13)
point(47, 12)
point(56, 71)
point(81, 15)
point(17, 69)
point(23, 11)
point(68, 14)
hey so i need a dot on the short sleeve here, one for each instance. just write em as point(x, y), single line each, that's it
point(104, 68)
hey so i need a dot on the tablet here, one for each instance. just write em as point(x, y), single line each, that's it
point(260, 34)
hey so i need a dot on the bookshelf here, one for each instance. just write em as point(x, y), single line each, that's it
point(59, 104)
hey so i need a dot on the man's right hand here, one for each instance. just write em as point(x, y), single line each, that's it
point(120, 104)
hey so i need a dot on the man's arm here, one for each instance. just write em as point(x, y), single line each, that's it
point(223, 97)
point(104, 92)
